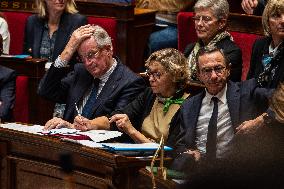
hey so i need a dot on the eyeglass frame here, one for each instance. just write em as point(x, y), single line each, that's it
point(91, 55)
point(155, 75)
point(204, 19)
point(217, 69)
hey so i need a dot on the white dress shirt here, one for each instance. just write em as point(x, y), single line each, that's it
point(225, 131)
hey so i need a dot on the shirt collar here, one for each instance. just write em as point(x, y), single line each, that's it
point(221, 95)
point(105, 77)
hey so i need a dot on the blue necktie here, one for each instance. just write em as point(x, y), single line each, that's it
point(87, 110)
point(211, 144)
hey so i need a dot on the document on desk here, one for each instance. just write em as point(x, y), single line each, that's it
point(95, 135)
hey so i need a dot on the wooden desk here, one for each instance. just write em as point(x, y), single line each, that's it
point(40, 110)
point(32, 162)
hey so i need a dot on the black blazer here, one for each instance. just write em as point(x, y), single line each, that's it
point(121, 88)
point(140, 108)
point(261, 47)
point(233, 53)
point(7, 92)
point(34, 30)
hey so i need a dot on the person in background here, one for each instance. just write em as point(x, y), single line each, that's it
point(47, 33)
point(95, 88)
point(7, 90)
point(4, 32)
point(209, 120)
point(255, 7)
point(165, 31)
point(148, 117)
point(210, 24)
point(267, 59)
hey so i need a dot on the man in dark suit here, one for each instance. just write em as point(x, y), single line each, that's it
point(96, 88)
point(206, 135)
point(7, 92)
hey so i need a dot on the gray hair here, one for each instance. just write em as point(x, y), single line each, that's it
point(101, 37)
point(220, 8)
point(273, 8)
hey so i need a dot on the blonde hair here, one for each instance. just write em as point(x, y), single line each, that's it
point(272, 8)
point(43, 12)
point(173, 62)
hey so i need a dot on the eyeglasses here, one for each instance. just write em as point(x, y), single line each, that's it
point(91, 55)
point(217, 69)
point(155, 75)
point(204, 19)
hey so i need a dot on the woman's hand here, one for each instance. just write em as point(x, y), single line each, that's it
point(57, 123)
point(123, 123)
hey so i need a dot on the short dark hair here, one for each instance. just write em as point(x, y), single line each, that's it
point(211, 49)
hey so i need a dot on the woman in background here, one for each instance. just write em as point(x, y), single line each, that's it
point(148, 117)
point(267, 59)
point(47, 33)
point(210, 21)
point(4, 32)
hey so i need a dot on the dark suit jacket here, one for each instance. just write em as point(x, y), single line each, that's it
point(7, 92)
point(141, 107)
point(34, 30)
point(121, 88)
point(243, 103)
point(233, 53)
point(261, 47)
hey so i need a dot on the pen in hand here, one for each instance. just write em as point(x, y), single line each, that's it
point(77, 109)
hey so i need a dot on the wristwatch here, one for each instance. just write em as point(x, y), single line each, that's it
point(268, 118)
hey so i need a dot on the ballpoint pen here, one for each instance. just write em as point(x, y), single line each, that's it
point(77, 109)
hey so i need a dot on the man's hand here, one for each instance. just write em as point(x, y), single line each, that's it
point(82, 123)
point(77, 37)
point(251, 126)
point(249, 5)
point(195, 153)
point(57, 123)
point(123, 123)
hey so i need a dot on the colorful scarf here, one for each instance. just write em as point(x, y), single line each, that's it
point(192, 57)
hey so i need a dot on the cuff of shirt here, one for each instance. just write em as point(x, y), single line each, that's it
point(59, 63)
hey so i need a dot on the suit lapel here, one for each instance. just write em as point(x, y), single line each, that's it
point(233, 98)
point(62, 35)
point(38, 37)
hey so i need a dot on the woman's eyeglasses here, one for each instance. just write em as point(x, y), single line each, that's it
point(155, 75)
point(204, 19)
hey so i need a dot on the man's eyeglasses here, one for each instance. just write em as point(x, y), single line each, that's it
point(204, 19)
point(91, 55)
point(217, 69)
point(155, 75)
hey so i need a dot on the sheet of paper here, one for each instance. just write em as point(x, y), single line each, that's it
point(101, 135)
point(34, 129)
